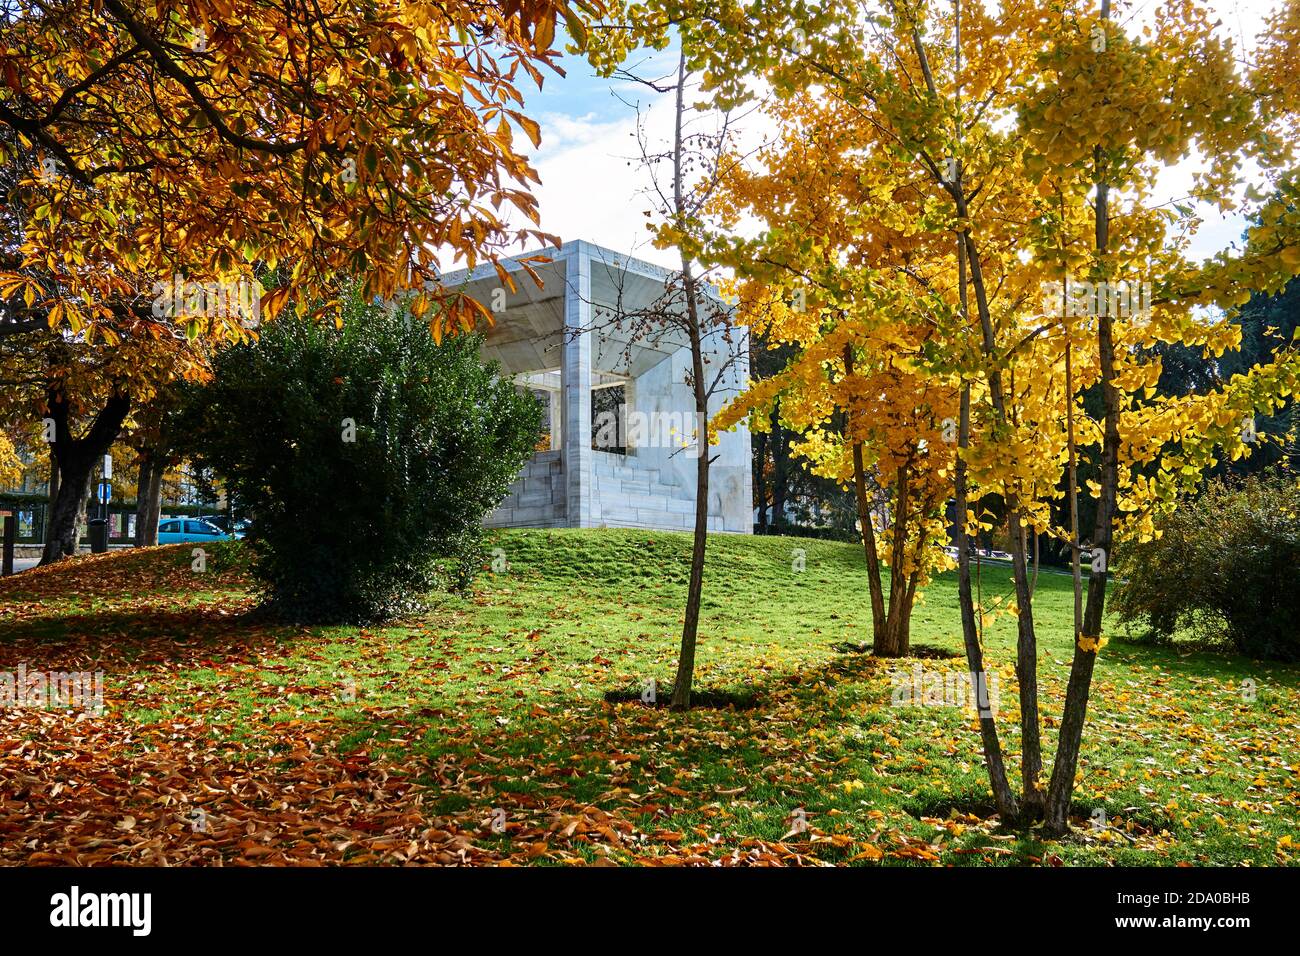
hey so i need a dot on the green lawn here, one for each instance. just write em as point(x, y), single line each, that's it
point(410, 742)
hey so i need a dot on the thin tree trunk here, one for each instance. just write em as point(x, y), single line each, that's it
point(1078, 690)
point(888, 644)
point(1031, 762)
point(868, 528)
point(690, 626)
point(1003, 798)
point(760, 482)
point(968, 258)
point(1074, 491)
point(903, 637)
point(155, 503)
point(779, 462)
point(1031, 753)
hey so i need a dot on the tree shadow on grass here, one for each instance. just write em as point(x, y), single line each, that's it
point(657, 770)
point(719, 698)
point(1197, 661)
point(664, 771)
point(186, 635)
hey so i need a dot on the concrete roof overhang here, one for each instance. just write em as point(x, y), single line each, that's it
point(528, 330)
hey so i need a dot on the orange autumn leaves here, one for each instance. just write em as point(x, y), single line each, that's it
point(208, 139)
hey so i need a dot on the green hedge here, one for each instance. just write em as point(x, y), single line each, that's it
point(366, 457)
point(1227, 565)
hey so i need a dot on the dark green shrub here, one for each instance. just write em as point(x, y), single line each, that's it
point(366, 457)
point(1227, 565)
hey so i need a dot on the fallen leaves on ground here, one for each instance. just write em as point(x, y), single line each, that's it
point(470, 741)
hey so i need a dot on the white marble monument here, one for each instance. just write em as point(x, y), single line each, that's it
point(620, 448)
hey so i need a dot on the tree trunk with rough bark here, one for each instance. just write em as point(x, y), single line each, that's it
point(148, 494)
point(146, 467)
point(155, 503)
point(76, 459)
point(67, 509)
point(52, 491)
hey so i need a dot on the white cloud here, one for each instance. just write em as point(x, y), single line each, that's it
point(593, 181)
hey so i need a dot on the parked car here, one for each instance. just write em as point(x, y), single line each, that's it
point(178, 530)
point(221, 521)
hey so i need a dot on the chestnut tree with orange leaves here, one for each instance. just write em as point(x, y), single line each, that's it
point(208, 144)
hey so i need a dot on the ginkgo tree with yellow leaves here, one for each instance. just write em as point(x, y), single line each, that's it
point(1024, 143)
point(1154, 99)
point(870, 423)
point(870, 420)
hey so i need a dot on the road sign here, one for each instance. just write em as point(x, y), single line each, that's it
point(105, 491)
